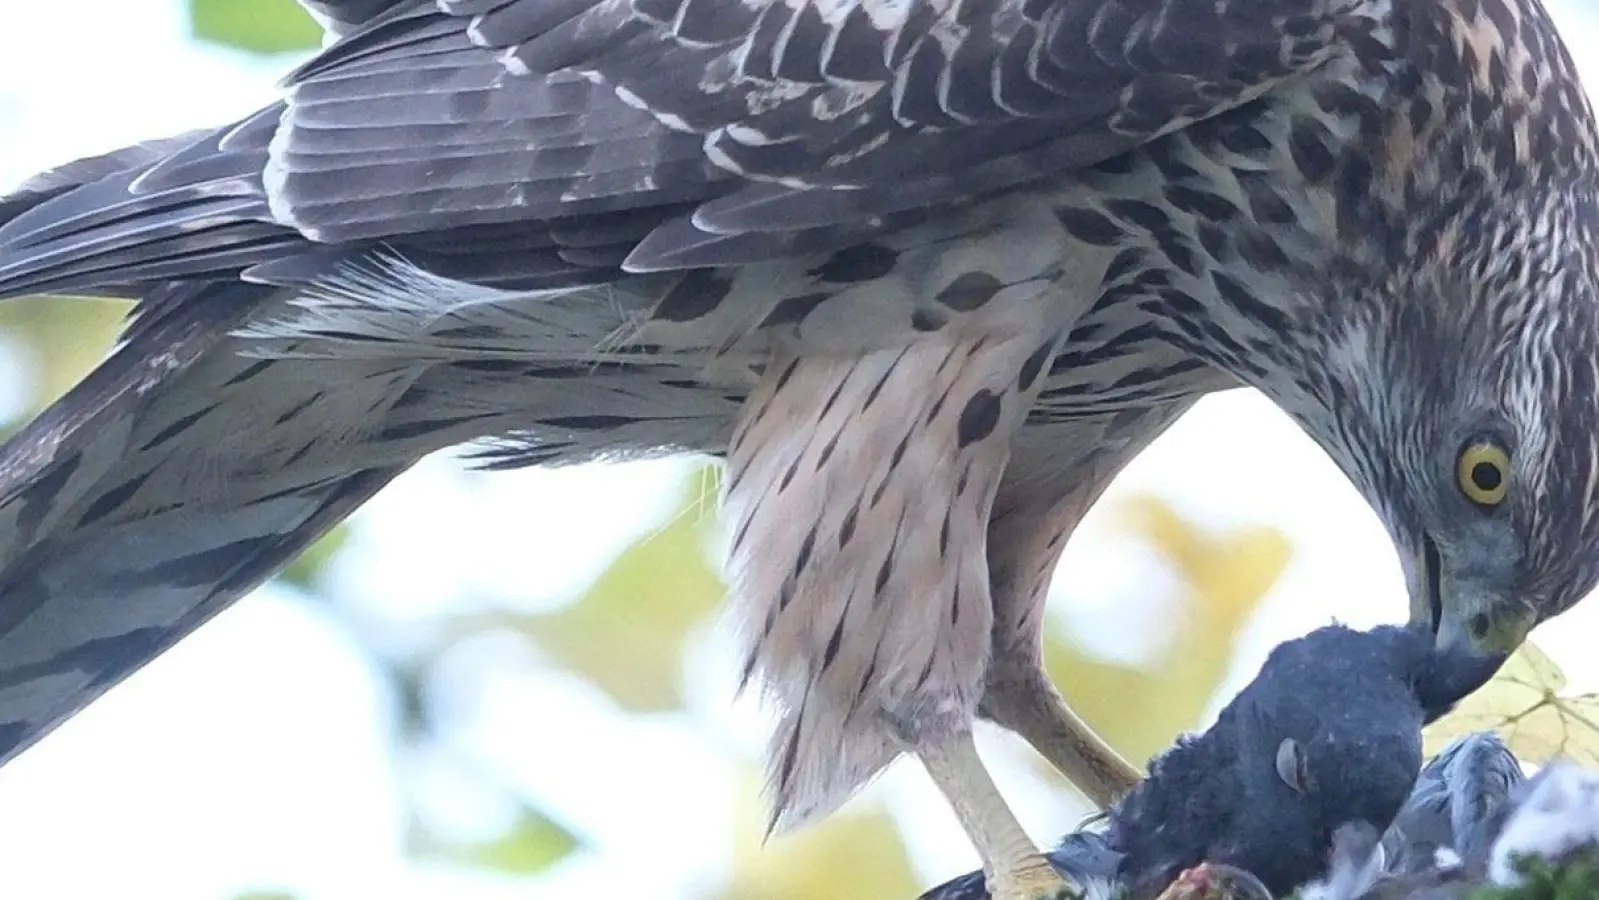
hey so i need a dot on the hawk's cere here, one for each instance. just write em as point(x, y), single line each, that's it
point(1328, 733)
point(927, 273)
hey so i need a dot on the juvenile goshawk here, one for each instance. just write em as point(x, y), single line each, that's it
point(926, 272)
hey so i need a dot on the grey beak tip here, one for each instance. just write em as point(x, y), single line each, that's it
point(1454, 673)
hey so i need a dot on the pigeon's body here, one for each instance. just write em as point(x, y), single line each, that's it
point(1457, 808)
point(1441, 843)
point(1475, 823)
point(1328, 733)
point(926, 274)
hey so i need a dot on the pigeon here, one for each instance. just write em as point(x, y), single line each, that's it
point(1328, 733)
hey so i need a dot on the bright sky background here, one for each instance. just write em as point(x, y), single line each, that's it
point(246, 756)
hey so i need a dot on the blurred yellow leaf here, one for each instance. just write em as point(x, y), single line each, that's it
point(1523, 704)
point(65, 338)
point(1139, 711)
point(852, 854)
point(528, 847)
point(626, 634)
point(306, 568)
point(532, 845)
point(259, 26)
point(1124, 704)
point(1230, 573)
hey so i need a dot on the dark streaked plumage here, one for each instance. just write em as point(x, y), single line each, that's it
point(927, 274)
point(1328, 733)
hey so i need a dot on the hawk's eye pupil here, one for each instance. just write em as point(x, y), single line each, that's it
point(1486, 476)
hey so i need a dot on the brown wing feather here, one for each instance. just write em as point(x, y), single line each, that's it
point(732, 131)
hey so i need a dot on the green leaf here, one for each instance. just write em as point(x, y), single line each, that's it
point(307, 567)
point(256, 26)
point(534, 843)
point(626, 634)
point(66, 337)
point(1226, 575)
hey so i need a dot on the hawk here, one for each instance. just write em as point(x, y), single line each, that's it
point(926, 273)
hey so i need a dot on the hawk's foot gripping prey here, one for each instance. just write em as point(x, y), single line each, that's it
point(1012, 863)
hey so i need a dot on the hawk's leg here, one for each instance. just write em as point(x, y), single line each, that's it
point(1058, 470)
point(860, 481)
point(861, 490)
point(1012, 864)
point(1036, 711)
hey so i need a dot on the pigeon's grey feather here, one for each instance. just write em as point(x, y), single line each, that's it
point(1556, 816)
point(1458, 805)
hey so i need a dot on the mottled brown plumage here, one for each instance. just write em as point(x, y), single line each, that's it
point(926, 273)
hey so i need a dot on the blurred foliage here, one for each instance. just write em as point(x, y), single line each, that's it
point(1225, 576)
point(303, 572)
point(56, 340)
point(626, 635)
point(257, 26)
point(1526, 705)
point(533, 843)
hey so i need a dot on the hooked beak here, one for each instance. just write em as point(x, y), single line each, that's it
point(1473, 632)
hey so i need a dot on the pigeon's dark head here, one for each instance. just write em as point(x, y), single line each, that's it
point(1329, 733)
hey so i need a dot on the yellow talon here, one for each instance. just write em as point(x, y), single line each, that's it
point(1033, 879)
point(1014, 868)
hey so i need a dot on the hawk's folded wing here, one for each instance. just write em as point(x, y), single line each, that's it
point(522, 143)
point(670, 133)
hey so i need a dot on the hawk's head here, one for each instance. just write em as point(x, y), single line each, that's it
point(1460, 392)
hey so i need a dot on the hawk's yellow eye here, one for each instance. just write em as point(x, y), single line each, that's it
point(1484, 473)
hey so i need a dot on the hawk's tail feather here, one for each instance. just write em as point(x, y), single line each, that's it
point(188, 468)
point(148, 499)
point(82, 614)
